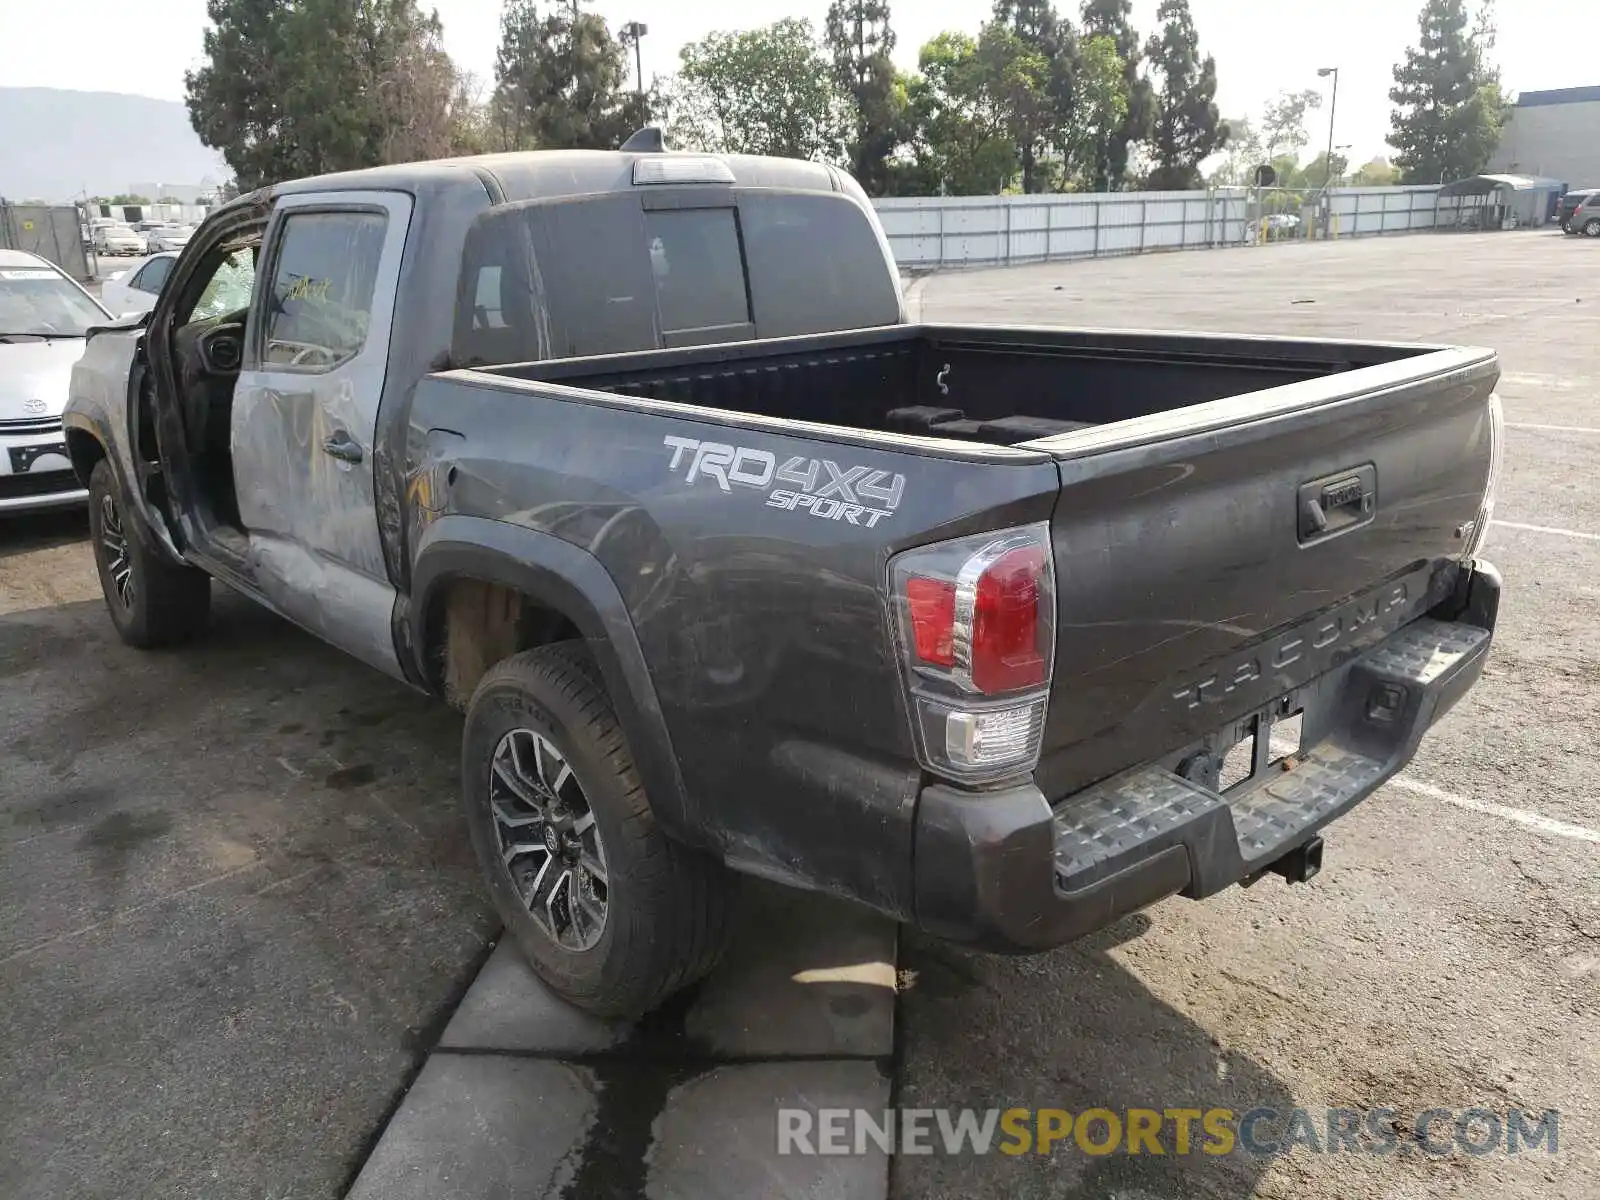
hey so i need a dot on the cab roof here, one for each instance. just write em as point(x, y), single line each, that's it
point(548, 174)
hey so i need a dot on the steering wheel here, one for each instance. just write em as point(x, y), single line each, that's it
point(313, 356)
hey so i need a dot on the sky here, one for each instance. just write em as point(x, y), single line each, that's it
point(1261, 48)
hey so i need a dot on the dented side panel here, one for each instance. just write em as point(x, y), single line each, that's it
point(751, 565)
point(303, 437)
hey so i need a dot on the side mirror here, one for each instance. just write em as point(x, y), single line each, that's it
point(130, 315)
point(115, 275)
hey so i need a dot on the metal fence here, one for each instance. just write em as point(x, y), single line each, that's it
point(929, 233)
point(48, 230)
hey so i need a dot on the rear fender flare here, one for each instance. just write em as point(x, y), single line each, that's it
point(571, 581)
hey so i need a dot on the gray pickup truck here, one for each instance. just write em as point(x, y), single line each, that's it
point(1004, 632)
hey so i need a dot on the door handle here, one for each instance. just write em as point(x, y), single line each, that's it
point(343, 447)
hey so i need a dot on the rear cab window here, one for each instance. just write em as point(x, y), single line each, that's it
point(699, 274)
point(636, 270)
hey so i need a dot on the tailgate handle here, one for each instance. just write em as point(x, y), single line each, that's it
point(1337, 502)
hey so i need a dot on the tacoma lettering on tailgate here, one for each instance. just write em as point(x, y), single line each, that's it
point(817, 486)
point(1314, 637)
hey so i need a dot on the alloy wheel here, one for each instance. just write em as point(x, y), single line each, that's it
point(114, 542)
point(548, 841)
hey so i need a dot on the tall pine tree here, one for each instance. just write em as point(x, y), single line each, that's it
point(1109, 166)
point(1043, 100)
point(560, 80)
point(1188, 128)
point(1449, 110)
point(860, 40)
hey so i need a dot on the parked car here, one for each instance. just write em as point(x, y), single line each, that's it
point(1569, 204)
point(167, 237)
point(1586, 218)
point(129, 292)
point(44, 316)
point(632, 456)
point(118, 239)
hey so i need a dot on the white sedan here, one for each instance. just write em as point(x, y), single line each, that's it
point(135, 290)
point(44, 317)
point(118, 239)
point(167, 237)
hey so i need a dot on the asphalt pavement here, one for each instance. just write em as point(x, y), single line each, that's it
point(240, 911)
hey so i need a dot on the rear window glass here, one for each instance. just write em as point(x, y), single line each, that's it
point(603, 275)
point(815, 265)
point(698, 271)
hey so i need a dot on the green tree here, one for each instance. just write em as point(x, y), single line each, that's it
point(1316, 173)
point(1448, 107)
point(1283, 124)
point(1035, 67)
point(1242, 154)
point(962, 143)
point(320, 85)
point(860, 39)
point(1188, 129)
point(1113, 19)
point(1377, 173)
point(560, 81)
point(1099, 112)
point(764, 91)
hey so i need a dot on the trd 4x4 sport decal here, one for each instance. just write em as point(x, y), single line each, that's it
point(818, 486)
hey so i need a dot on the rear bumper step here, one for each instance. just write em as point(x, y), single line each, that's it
point(1010, 872)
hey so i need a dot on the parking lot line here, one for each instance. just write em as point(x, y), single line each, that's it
point(1520, 816)
point(1552, 428)
point(1571, 533)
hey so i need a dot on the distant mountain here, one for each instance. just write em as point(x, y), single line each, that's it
point(57, 144)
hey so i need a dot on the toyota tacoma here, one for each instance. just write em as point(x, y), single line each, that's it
point(633, 456)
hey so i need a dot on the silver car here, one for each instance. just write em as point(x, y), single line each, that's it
point(44, 316)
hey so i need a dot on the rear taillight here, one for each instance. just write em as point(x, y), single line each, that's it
point(976, 626)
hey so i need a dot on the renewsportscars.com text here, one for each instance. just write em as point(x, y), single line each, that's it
point(1437, 1132)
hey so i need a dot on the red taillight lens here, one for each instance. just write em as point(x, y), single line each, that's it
point(933, 618)
point(1008, 650)
point(975, 626)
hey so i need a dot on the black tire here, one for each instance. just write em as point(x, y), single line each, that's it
point(1591, 227)
point(1566, 227)
point(666, 905)
point(152, 600)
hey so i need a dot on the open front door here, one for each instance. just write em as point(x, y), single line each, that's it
point(305, 411)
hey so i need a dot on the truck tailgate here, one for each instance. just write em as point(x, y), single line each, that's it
point(1211, 559)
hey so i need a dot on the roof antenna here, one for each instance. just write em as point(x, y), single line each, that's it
point(648, 140)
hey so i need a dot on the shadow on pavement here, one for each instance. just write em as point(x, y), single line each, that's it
point(42, 531)
point(1072, 1030)
point(239, 903)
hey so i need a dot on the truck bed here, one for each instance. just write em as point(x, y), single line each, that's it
point(1000, 386)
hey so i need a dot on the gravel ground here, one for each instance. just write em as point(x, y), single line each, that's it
point(236, 899)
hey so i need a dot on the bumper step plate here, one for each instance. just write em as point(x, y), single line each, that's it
point(1416, 674)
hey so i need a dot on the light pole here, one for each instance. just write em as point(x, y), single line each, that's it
point(1327, 176)
point(1333, 106)
point(634, 32)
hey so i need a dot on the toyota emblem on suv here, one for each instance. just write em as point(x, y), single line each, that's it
point(33, 405)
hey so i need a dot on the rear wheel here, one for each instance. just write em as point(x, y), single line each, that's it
point(152, 600)
point(1591, 227)
point(611, 913)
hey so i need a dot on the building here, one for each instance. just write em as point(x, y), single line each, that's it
point(182, 193)
point(1555, 134)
